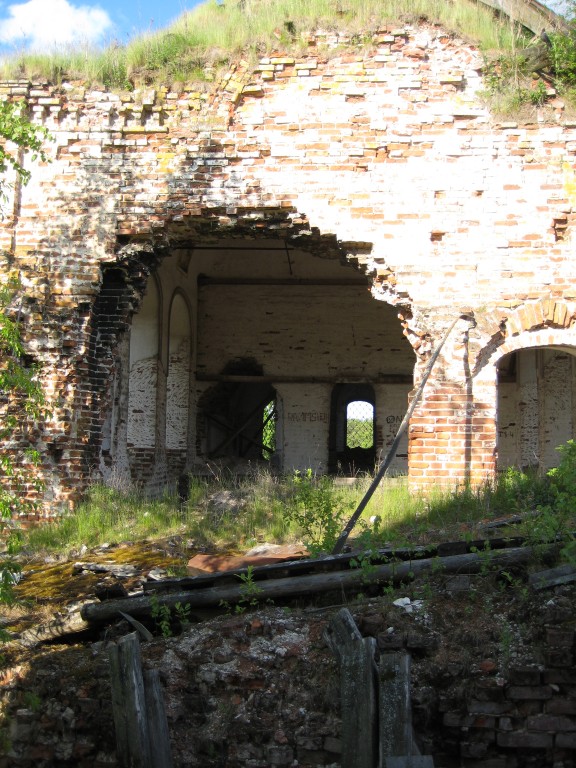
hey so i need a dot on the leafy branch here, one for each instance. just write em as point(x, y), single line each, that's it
point(27, 137)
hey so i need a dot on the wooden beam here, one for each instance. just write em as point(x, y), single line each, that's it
point(297, 281)
point(354, 579)
point(530, 13)
point(384, 378)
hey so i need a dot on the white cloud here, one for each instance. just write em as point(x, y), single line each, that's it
point(41, 24)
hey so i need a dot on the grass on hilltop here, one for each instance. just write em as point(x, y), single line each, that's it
point(204, 40)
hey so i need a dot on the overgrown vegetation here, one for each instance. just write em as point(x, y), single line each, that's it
point(21, 403)
point(215, 33)
point(235, 514)
point(526, 76)
point(21, 399)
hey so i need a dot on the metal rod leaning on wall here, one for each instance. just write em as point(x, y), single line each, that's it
point(341, 541)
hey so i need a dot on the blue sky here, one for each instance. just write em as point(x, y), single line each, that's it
point(41, 24)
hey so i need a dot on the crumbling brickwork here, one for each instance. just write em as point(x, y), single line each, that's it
point(306, 174)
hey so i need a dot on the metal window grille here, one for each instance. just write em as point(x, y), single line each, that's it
point(269, 430)
point(360, 424)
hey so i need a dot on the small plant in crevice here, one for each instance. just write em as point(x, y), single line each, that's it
point(506, 643)
point(32, 701)
point(162, 616)
point(166, 619)
point(250, 593)
point(182, 613)
point(485, 557)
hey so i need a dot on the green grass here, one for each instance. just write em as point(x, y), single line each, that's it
point(233, 514)
point(202, 41)
point(107, 515)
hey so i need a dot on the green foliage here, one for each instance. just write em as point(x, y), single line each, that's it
point(556, 520)
point(360, 433)
point(250, 592)
point(365, 562)
point(182, 612)
point(108, 515)
point(512, 78)
point(22, 402)
point(21, 398)
point(563, 57)
point(17, 129)
point(510, 87)
point(32, 701)
point(318, 510)
point(162, 616)
point(485, 555)
point(264, 507)
point(269, 429)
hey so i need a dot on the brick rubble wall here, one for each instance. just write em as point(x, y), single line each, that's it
point(386, 158)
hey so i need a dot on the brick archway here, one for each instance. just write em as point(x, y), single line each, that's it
point(527, 375)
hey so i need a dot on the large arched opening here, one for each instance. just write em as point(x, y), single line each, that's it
point(536, 406)
point(233, 353)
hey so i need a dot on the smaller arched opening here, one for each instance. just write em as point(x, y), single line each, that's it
point(536, 406)
point(352, 440)
point(238, 416)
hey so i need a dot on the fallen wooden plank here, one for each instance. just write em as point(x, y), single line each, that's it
point(300, 567)
point(60, 625)
point(309, 584)
point(358, 690)
point(341, 632)
point(553, 577)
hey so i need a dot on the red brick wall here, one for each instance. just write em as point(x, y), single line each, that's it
point(386, 158)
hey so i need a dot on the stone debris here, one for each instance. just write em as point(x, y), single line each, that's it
point(410, 606)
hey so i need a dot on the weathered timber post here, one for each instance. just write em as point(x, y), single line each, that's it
point(158, 734)
point(358, 691)
point(395, 712)
point(375, 702)
point(142, 739)
point(397, 746)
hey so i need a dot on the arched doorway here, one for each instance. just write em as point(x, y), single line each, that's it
point(352, 441)
point(238, 416)
point(536, 407)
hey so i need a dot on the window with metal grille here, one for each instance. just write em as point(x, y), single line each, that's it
point(360, 424)
point(269, 430)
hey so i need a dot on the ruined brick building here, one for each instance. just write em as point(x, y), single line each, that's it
point(202, 270)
